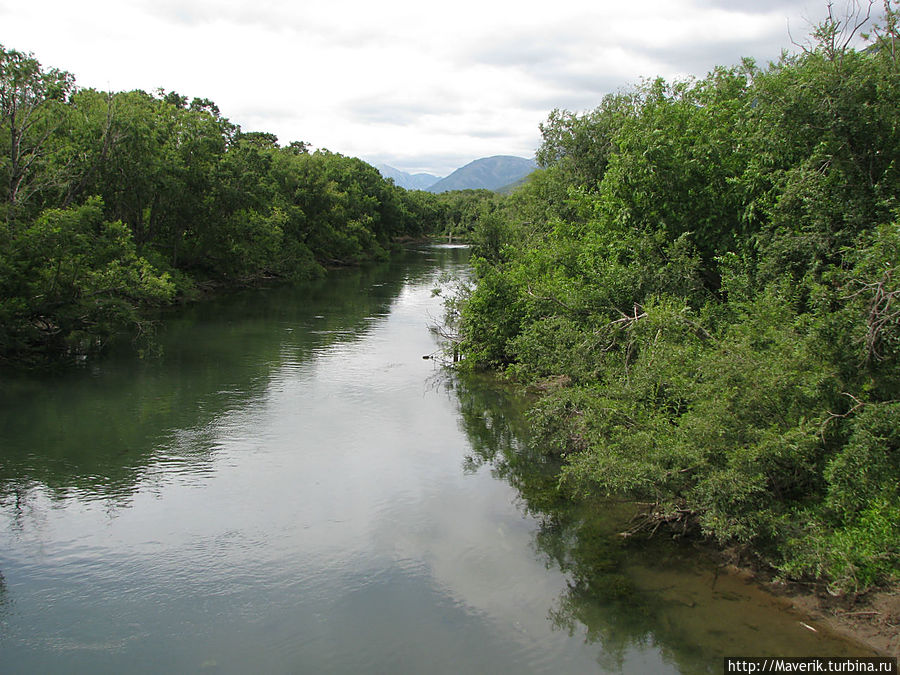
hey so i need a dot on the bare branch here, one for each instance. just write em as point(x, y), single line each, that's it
point(836, 416)
point(551, 299)
point(835, 34)
point(882, 311)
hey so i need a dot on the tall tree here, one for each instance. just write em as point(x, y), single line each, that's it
point(30, 100)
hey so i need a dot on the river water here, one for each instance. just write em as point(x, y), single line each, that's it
point(289, 487)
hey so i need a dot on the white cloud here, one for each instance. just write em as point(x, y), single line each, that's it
point(419, 86)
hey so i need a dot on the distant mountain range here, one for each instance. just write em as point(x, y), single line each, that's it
point(489, 173)
point(410, 181)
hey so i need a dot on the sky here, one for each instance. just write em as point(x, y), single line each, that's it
point(422, 86)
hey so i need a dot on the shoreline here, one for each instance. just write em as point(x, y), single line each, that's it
point(872, 619)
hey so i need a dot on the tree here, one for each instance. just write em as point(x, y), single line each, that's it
point(31, 100)
point(71, 280)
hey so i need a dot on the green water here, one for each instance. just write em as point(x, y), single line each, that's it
point(291, 488)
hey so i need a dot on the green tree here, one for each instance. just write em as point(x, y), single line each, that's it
point(71, 280)
point(31, 99)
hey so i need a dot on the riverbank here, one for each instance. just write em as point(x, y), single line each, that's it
point(872, 619)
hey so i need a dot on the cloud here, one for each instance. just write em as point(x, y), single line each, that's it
point(700, 59)
point(417, 85)
point(302, 19)
point(496, 132)
point(572, 64)
point(522, 50)
point(400, 109)
point(786, 7)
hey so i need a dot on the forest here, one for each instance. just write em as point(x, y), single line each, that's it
point(114, 204)
point(702, 282)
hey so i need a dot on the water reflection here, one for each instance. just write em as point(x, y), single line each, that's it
point(102, 431)
point(628, 594)
point(282, 492)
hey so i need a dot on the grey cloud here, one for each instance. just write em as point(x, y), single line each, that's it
point(548, 54)
point(576, 84)
point(571, 90)
point(580, 91)
point(591, 83)
point(574, 101)
point(386, 111)
point(550, 57)
point(523, 50)
point(757, 6)
point(800, 16)
point(701, 57)
point(264, 14)
point(489, 133)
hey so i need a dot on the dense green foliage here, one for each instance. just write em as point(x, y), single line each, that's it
point(112, 202)
point(705, 278)
point(456, 213)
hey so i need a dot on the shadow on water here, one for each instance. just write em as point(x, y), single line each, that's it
point(626, 594)
point(100, 430)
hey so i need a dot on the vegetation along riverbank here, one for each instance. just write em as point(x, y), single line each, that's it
point(703, 280)
point(113, 203)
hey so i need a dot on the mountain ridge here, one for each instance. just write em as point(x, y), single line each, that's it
point(495, 173)
point(490, 173)
point(409, 181)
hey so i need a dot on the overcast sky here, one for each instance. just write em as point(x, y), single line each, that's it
point(423, 86)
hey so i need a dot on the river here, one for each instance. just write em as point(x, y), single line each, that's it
point(289, 487)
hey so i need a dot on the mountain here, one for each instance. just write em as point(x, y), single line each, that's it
point(410, 181)
point(490, 173)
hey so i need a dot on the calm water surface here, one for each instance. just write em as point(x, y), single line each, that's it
point(292, 488)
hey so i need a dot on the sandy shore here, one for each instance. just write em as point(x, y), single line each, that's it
point(872, 619)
